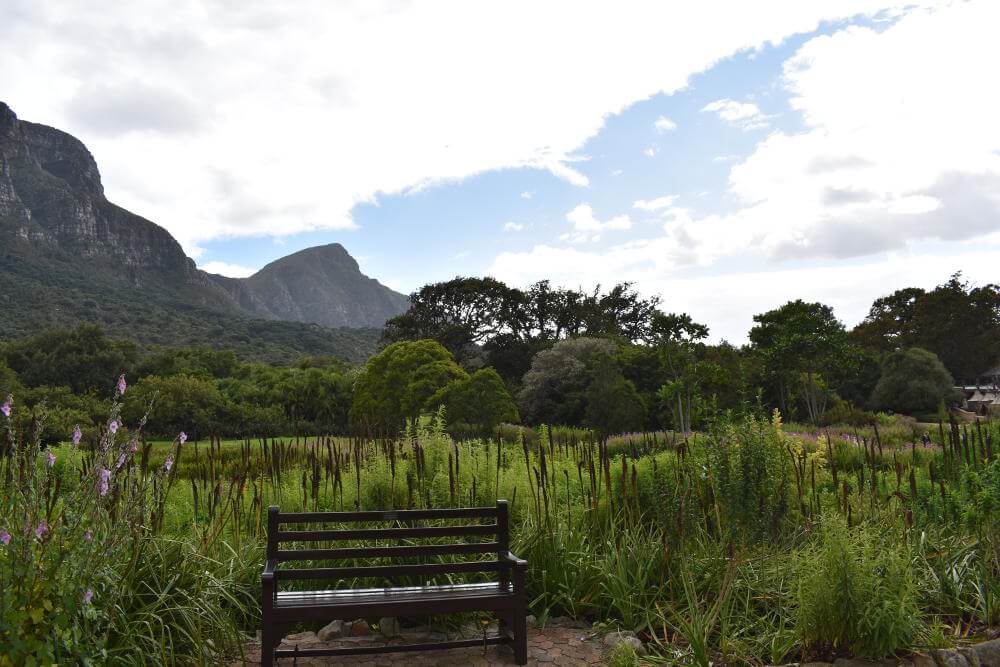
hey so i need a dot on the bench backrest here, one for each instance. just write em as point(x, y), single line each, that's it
point(489, 524)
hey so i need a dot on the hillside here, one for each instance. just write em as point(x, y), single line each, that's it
point(67, 255)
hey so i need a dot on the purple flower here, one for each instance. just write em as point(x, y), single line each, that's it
point(43, 528)
point(5, 408)
point(121, 385)
point(77, 434)
point(105, 478)
point(169, 463)
point(135, 445)
point(50, 459)
point(88, 596)
point(113, 426)
point(87, 535)
point(182, 437)
point(4, 536)
point(121, 462)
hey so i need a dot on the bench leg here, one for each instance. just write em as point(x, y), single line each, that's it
point(520, 636)
point(267, 645)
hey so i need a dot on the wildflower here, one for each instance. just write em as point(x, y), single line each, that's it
point(5, 408)
point(105, 478)
point(88, 596)
point(4, 536)
point(87, 535)
point(113, 426)
point(135, 445)
point(121, 385)
point(182, 437)
point(43, 528)
point(121, 461)
point(77, 434)
point(169, 463)
point(50, 459)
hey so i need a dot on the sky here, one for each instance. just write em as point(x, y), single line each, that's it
point(725, 157)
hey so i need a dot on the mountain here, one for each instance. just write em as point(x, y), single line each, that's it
point(68, 255)
point(323, 285)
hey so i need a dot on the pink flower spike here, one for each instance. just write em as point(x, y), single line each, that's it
point(87, 535)
point(43, 528)
point(105, 478)
point(135, 446)
point(113, 426)
point(4, 536)
point(121, 462)
point(5, 408)
point(50, 459)
point(88, 596)
point(77, 434)
point(168, 464)
point(121, 385)
point(182, 437)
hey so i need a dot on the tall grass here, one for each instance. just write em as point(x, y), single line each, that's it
point(744, 543)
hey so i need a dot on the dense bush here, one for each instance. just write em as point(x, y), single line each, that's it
point(913, 380)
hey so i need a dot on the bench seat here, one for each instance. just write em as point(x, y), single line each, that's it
point(361, 596)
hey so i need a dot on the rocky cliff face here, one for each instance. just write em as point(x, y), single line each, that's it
point(57, 228)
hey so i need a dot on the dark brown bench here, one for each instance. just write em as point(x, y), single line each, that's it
point(503, 594)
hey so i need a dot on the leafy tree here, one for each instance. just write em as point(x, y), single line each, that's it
point(797, 343)
point(579, 381)
point(195, 361)
point(958, 323)
point(913, 380)
point(554, 389)
point(83, 359)
point(9, 384)
point(179, 403)
point(480, 399)
point(482, 320)
point(678, 341)
point(395, 384)
point(613, 403)
point(314, 400)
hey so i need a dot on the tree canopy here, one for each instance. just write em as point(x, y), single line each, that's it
point(958, 323)
point(396, 384)
point(913, 380)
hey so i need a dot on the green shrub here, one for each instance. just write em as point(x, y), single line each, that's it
point(856, 593)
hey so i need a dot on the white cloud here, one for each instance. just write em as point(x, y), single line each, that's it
point(650, 151)
point(226, 269)
point(527, 194)
point(587, 228)
point(513, 226)
point(655, 204)
point(299, 105)
point(894, 181)
point(744, 115)
point(664, 124)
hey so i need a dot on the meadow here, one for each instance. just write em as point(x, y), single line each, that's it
point(749, 543)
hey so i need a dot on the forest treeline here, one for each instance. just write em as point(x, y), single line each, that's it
point(491, 354)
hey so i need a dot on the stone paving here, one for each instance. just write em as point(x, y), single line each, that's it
point(556, 645)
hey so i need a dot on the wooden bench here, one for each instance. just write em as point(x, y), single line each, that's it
point(503, 594)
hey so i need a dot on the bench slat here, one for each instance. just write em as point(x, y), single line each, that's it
point(390, 552)
point(393, 515)
point(389, 570)
point(385, 533)
point(388, 648)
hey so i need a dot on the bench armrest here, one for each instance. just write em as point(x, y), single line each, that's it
point(269, 569)
point(511, 559)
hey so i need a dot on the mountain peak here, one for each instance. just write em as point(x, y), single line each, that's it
point(55, 222)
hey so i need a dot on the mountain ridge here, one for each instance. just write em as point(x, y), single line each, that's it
point(78, 256)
